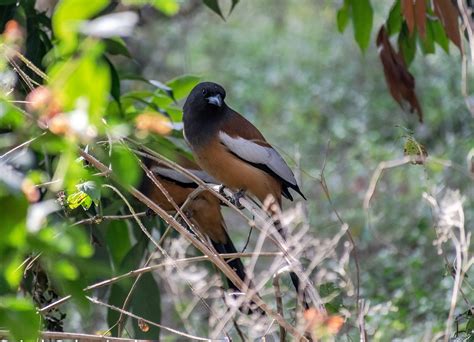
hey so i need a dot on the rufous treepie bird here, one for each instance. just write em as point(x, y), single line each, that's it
point(203, 211)
point(232, 150)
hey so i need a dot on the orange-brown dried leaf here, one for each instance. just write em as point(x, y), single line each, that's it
point(13, 32)
point(30, 191)
point(319, 324)
point(448, 14)
point(420, 17)
point(408, 11)
point(334, 323)
point(42, 101)
point(143, 325)
point(154, 123)
point(401, 83)
point(59, 125)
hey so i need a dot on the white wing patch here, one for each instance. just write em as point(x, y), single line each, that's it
point(258, 154)
point(180, 178)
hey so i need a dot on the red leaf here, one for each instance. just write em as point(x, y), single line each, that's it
point(408, 12)
point(448, 14)
point(420, 17)
point(401, 83)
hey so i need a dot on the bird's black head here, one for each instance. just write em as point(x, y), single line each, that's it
point(206, 97)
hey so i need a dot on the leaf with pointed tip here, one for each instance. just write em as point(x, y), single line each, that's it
point(214, 6)
point(343, 17)
point(234, 2)
point(395, 19)
point(163, 87)
point(362, 19)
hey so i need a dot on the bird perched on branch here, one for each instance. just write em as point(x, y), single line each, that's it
point(203, 210)
point(233, 151)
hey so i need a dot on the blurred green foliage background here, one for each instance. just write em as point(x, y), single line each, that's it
point(287, 69)
point(319, 99)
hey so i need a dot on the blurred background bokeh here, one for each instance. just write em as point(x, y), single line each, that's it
point(318, 98)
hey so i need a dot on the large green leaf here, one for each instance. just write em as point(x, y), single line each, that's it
point(83, 83)
point(69, 15)
point(362, 18)
point(146, 303)
point(118, 241)
point(183, 85)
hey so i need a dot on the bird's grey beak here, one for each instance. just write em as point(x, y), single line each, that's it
point(215, 100)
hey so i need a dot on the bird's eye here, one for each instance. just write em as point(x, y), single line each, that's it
point(204, 91)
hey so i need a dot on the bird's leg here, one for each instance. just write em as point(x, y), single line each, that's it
point(236, 198)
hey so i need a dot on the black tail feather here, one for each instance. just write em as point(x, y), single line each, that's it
point(236, 264)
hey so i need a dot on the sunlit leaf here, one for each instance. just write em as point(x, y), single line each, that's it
point(83, 83)
point(183, 85)
point(79, 198)
point(91, 189)
point(68, 17)
point(168, 7)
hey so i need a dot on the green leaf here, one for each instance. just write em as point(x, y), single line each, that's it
point(77, 199)
point(66, 270)
point(10, 116)
point(331, 291)
point(12, 226)
point(214, 6)
point(362, 18)
point(146, 303)
point(115, 81)
point(395, 19)
point(119, 291)
point(118, 241)
point(91, 189)
point(427, 44)
point(343, 17)
point(14, 270)
point(439, 35)
point(470, 325)
point(125, 166)
point(407, 45)
point(183, 85)
point(20, 317)
point(69, 15)
point(166, 89)
point(168, 7)
point(116, 46)
point(83, 83)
